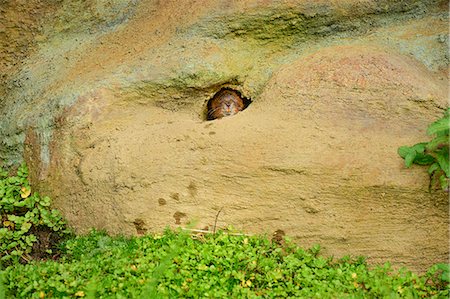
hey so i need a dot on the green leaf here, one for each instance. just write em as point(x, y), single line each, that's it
point(17, 252)
point(45, 201)
point(424, 159)
point(25, 226)
point(23, 170)
point(403, 151)
point(409, 159)
point(15, 219)
point(439, 126)
point(434, 167)
point(442, 158)
point(419, 147)
point(315, 249)
point(30, 240)
point(20, 203)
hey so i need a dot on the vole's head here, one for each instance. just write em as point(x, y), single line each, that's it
point(225, 103)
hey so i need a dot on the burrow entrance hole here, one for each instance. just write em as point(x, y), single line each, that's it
point(225, 102)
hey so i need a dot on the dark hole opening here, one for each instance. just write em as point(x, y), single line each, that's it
point(226, 102)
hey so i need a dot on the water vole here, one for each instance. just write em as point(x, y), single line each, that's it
point(225, 103)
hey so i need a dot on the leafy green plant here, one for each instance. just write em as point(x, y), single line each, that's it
point(434, 153)
point(25, 216)
point(175, 265)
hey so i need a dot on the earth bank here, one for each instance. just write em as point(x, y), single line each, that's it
point(107, 107)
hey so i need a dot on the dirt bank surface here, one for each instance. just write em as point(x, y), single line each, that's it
point(107, 105)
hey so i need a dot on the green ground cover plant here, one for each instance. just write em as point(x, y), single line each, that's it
point(26, 220)
point(434, 153)
point(177, 265)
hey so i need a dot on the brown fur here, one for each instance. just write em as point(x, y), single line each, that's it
point(224, 103)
